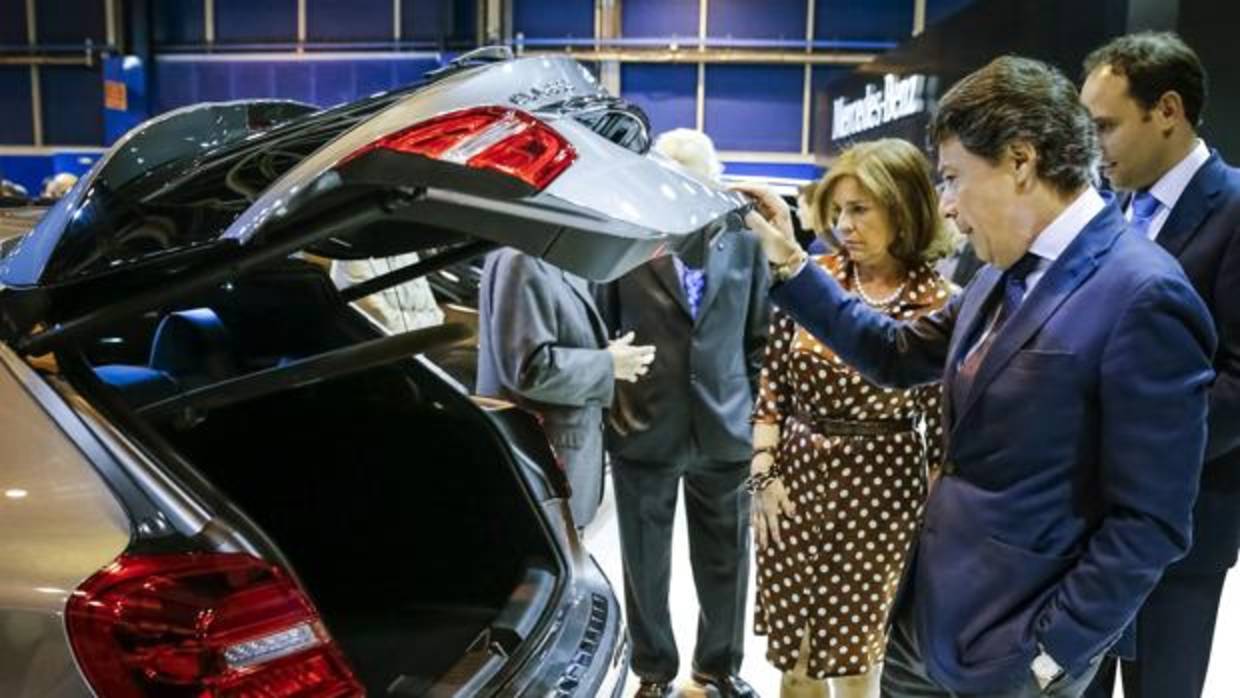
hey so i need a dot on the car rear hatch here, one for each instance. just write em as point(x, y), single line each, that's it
point(530, 153)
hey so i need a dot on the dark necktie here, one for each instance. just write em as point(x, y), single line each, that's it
point(1014, 285)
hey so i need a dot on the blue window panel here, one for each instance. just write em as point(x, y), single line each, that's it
point(180, 22)
point(667, 93)
point(12, 22)
point(411, 70)
point(659, 18)
point(437, 20)
point(464, 21)
point(30, 171)
point(176, 85)
point(333, 83)
point(294, 80)
point(252, 80)
point(754, 107)
point(248, 21)
point(16, 119)
point(70, 21)
point(770, 19)
point(939, 10)
point(554, 19)
point(773, 169)
point(820, 96)
point(872, 20)
point(72, 105)
point(421, 20)
point(214, 81)
point(349, 20)
point(373, 76)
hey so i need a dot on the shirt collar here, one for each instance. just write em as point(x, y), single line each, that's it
point(1055, 238)
point(1172, 184)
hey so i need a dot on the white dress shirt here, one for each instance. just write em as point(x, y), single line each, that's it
point(1168, 189)
point(1051, 243)
point(1055, 238)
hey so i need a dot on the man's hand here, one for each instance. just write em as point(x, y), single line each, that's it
point(772, 222)
point(630, 362)
point(772, 207)
point(779, 248)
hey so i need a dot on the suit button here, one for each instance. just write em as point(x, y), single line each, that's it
point(949, 468)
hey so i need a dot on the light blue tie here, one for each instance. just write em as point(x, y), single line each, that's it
point(1144, 208)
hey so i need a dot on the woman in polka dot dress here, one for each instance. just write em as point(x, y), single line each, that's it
point(840, 465)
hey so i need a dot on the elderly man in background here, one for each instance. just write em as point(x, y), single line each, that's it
point(688, 422)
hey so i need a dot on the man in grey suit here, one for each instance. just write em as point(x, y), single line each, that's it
point(543, 346)
point(689, 420)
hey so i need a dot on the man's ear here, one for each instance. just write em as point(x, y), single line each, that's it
point(1168, 110)
point(1022, 158)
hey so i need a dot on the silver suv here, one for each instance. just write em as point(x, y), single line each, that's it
point(219, 478)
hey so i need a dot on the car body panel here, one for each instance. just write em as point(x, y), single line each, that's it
point(61, 524)
point(650, 193)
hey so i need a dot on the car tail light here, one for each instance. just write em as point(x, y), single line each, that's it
point(203, 625)
point(490, 138)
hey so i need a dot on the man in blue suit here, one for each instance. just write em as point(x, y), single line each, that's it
point(1076, 367)
point(1146, 93)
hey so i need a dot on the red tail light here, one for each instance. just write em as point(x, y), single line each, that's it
point(492, 138)
point(210, 625)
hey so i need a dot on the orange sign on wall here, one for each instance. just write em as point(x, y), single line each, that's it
point(115, 95)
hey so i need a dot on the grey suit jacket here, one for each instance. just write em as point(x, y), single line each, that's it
point(700, 389)
point(542, 345)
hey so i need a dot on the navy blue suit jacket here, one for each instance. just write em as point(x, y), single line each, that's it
point(1072, 464)
point(1203, 233)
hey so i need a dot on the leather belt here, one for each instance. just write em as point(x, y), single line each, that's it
point(857, 427)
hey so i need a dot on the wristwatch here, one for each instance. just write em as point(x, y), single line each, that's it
point(1045, 669)
point(789, 268)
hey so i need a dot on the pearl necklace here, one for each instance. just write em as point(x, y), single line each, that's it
point(879, 302)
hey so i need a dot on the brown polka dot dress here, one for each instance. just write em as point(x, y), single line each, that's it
point(858, 497)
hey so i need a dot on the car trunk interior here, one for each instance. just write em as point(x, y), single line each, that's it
point(386, 491)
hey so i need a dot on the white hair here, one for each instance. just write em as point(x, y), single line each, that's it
point(692, 150)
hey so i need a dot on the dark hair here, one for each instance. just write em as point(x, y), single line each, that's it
point(1156, 63)
point(1016, 99)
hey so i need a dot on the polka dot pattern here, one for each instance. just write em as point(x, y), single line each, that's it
point(858, 498)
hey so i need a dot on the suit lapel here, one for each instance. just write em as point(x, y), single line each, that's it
point(1195, 204)
point(971, 313)
point(1059, 282)
point(717, 258)
point(664, 269)
point(579, 288)
point(971, 316)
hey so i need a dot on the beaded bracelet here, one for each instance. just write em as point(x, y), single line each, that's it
point(761, 480)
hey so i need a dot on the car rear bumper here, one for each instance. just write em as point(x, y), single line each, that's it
point(589, 655)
